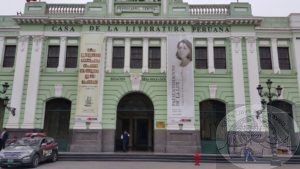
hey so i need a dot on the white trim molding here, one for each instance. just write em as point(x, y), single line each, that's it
point(2, 48)
point(109, 54)
point(163, 55)
point(145, 55)
point(62, 54)
point(275, 61)
point(211, 64)
point(127, 55)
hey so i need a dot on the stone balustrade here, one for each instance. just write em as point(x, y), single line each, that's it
point(66, 9)
point(209, 9)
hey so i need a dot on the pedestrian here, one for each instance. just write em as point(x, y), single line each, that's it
point(3, 138)
point(248, 153)
point(125, 140)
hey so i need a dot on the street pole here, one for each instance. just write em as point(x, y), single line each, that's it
point(275, 161)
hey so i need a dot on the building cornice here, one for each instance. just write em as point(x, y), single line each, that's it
point(116, 20)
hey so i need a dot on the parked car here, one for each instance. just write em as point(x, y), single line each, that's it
point(29, 151)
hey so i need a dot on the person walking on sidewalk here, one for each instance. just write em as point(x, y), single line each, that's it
point(248, 153)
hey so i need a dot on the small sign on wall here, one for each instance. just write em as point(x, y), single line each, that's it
point(160, 125)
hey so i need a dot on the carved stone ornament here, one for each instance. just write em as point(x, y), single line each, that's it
point(135, 81)
point(36, 41)
point(212, 90)
point(58, 90)
point(23, 40)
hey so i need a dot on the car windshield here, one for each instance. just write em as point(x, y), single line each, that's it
point(27, 142)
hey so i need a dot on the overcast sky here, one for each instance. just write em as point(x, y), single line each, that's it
point(259, 7)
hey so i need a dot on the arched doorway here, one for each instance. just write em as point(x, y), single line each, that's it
point(212, 112)
point(57, 121)
point(282, 123)
point(135, 114)
point(2, 111)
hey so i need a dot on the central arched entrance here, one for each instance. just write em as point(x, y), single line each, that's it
point(212, 113)
point(135, 114)
point(57, 121)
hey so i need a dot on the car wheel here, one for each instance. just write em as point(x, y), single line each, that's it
point(35, 161)
point(54, 156)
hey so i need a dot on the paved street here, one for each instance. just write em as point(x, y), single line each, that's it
point(151, 165)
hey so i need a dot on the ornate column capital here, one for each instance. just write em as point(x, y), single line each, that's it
point(251, 39)
point(236, 39)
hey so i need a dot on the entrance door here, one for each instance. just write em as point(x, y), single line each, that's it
point(141, 134)
point(57, 121)
point(212, 112)
point(282, 124)
point(135, 114)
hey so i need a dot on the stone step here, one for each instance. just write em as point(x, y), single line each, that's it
point(208, 158)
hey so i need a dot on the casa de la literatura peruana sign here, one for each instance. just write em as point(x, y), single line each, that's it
point(146, 28)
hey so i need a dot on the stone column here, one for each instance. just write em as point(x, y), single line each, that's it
point(238, 81)
point(62, 54)
point(18, 83)
point(275, 61)
point(163, 55)
point(2, 49)
point(127, 55)
point(109, 55)
point(145, 54)
point(33, 82)
point(211, 62)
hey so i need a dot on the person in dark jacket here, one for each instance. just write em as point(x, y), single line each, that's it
point(125, 140)
point(3, 138)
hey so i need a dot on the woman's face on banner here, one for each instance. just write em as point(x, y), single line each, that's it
point(183, 50)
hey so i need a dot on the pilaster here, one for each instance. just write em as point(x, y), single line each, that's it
point(163, 55)
point(1, 49)
point(238, 80)
point(253, 79)
point(275, 60)
point(211, 64)
point(145, 54)
point(109, 55)
point(33, 82)
point(127, 55)
point(18, 83)
point(62, 54)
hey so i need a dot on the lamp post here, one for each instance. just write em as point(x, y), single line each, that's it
point(5, 99)
point(275, 161)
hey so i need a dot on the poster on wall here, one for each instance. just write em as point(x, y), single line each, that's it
point(88, 79)
point(180, 79)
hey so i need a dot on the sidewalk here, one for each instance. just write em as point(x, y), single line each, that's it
point(153, 165)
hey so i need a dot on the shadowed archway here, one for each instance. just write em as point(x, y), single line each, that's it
point(212, 112)
point(57, 121)
point(135, 113)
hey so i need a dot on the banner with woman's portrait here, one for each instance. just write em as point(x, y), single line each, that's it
point(180, 79)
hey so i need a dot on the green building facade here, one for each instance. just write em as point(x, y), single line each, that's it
point(84, 73)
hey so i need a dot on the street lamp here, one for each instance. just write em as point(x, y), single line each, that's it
point(5, 99)
point(275, 161)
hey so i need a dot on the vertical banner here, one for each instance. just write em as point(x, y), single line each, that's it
point(88, 80)
point(180, 78)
